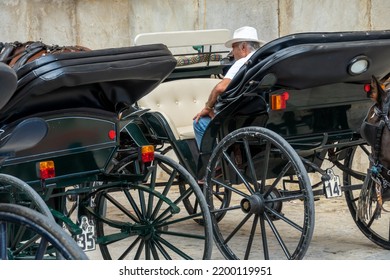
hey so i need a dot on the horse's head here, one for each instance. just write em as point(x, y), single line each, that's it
point(376, 126)
point(377, 91)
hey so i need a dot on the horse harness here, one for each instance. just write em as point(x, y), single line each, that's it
point(373, 135)
point(17, 54)
point(10, 51)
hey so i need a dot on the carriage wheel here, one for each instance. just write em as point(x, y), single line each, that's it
point(192, 206)
point(222, 197)
point(16, 191)
point(49, 240)
point(376, 226)
point(271, 214)
point(147, 219)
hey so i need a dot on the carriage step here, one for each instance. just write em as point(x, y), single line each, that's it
point(72, 227)
point(85, 233)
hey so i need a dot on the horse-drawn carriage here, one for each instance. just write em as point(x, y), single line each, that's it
point(98, 183)
point(294, 110)
point(296, 105)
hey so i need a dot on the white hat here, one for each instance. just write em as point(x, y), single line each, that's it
point(242, 34)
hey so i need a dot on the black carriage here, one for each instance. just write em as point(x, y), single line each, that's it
point(287, 123)
point(61, 133)
point(285, 128)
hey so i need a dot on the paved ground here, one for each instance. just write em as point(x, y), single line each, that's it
point(336, 237)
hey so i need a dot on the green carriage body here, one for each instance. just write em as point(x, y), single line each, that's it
point(81, 96)
point(78, 145)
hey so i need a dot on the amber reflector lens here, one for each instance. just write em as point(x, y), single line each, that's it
point(147, 153)
point(46, 169)
point(279, 101)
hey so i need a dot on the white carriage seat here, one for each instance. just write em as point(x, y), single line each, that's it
point(179, 101)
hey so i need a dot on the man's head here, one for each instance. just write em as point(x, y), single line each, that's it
point(244, 41)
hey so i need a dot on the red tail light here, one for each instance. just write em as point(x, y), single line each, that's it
point(46, 169)
point(112, 134)
point(147, 153)
point(367, 88)
point(279, 101)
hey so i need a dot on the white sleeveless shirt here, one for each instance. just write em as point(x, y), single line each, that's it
point(236, 66)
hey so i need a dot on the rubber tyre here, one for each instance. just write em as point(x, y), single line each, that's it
point(15, 219)
point(376, 230)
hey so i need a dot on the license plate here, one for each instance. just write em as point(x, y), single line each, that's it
point(332, 187)
point(86, 240)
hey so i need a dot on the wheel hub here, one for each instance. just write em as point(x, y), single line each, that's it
point(148, 230)
point(253, 204)
point(274, 194)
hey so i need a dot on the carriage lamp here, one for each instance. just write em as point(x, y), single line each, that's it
point(147, 153)
point(358, 65)
point(46, 169)
point(279, 101)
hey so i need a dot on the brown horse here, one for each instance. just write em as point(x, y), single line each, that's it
point(375, 130)
point(17, 54)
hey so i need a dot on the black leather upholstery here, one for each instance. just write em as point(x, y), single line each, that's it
point(8, 81)
point(108, 79)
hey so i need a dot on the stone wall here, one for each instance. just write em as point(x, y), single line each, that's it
point(115, 23)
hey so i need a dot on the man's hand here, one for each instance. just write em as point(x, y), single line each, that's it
point(205, 112)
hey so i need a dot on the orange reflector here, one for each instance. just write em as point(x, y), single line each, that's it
point(147, 153)
point(279, 101)
point(112, 134)
point(46, 169)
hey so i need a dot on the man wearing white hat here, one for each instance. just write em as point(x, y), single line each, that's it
point(244, 43)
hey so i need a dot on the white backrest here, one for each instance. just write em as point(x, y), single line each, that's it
point(180, 100)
